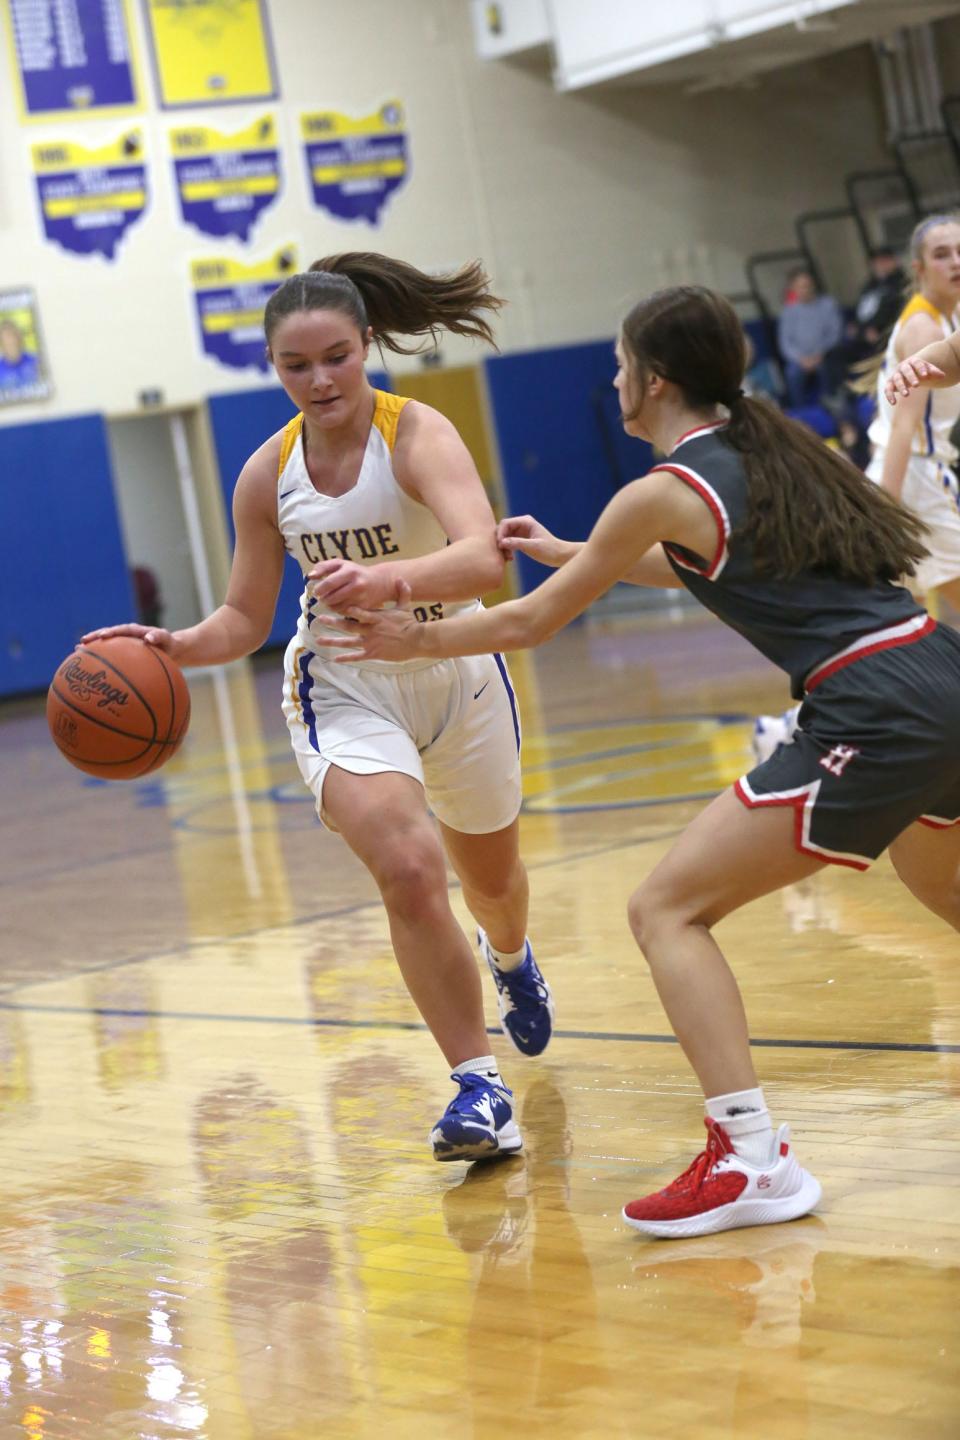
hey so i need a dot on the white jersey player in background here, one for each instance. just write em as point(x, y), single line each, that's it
point(914, 456)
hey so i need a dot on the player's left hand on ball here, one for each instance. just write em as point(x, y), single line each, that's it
point(151, 634)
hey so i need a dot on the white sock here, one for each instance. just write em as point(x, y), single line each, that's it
point(484, 1065)
point(746, 1119)
point(508, 959)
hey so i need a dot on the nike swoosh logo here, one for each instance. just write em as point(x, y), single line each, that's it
point(285, 493)
point(478, 693)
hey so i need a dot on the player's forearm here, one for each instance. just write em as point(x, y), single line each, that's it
point(511, 626)
point(895, 459)
point(945, 354)
point(566, 550)
point(460, 571)
point(227, 634)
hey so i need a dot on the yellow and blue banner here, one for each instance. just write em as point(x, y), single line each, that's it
point(230, 298)
point(90, 198)
point(211, 52)
point(225, 182)
point(71, 58)
point(354, 166)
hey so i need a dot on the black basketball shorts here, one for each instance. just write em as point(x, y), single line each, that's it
point(878, 748)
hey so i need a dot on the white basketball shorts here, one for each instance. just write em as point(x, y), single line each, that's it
point(931, 491)
point(453, 726)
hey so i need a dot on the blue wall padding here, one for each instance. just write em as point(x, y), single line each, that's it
point(64, 569)
point(563, 452)
point(241, 422)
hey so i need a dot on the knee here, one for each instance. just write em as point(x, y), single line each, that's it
point(496, 886)
point(656, 915)
point(648, 913)
point(941, 896)
point(411, 877)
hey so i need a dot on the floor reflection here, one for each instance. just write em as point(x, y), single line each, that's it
point(220, 1218)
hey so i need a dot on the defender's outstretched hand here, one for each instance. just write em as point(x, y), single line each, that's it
point(523, 532)
point(376, 634)
point(909, 375)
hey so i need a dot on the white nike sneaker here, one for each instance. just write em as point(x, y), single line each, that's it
point(772, 731)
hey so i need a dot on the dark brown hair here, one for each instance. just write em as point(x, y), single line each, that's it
point(393, 298)
point(808, 508)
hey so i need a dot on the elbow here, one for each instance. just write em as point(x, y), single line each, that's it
point(493, 573)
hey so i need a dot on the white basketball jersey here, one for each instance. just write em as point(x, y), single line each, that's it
point(932, 436)
point(374, 521)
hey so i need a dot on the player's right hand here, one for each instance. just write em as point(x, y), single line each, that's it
point(522, 532)
point(909, 375)
point(151, 634)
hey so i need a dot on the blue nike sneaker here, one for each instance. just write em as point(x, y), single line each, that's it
point(524, 1000)
point(478, 1123)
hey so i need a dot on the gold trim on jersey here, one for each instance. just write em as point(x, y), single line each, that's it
point(920, 305)
point(386, 418)
point(295, 677)
point(291, 436)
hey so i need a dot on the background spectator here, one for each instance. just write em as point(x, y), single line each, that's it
point(878, 305)
point(879, 302)
point(807, 330)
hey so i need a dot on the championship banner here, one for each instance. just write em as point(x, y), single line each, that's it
point(226, 181)
point(355, 165)
point(208, 52)
point(90, 198)
point(230, 299)
point(71, 57)
point(23, 365)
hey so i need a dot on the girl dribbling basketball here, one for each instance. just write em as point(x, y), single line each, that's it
point(366, 489)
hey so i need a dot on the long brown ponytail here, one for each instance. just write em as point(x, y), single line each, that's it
point(812, 509)
point(808, 508)
point(400, 301)
point(393, 298)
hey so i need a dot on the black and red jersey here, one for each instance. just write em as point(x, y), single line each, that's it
point(809, 626)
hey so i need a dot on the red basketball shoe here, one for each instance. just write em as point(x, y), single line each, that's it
point(722, 1191)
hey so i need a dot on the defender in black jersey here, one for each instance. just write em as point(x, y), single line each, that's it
point(852, 790)
point(792, 546)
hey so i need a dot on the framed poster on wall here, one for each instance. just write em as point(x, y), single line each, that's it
point(71, 57)
point(209, 53)
point(24, 374)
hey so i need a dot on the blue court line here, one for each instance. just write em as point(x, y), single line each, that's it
point(316, 1023)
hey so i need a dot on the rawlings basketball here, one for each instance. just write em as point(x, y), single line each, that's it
point(118, 708)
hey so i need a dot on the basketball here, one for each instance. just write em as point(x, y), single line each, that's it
point(118, 708)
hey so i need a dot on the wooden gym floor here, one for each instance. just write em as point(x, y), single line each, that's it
point(219, 1216)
